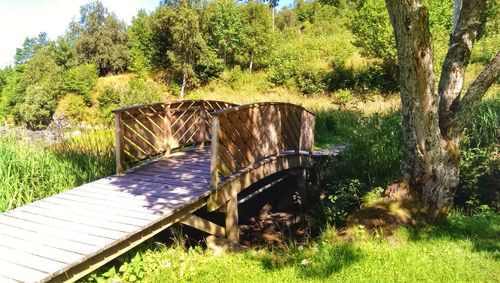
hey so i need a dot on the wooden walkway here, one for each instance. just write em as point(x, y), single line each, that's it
point(66, 236)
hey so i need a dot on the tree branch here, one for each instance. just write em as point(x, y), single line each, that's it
point(477, 90)
point(472, 16)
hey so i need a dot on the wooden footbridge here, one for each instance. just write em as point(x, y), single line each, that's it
point(172, 159)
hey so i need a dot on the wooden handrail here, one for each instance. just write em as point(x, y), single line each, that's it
point(148, 130)
point(245, 134)
point(245, 106)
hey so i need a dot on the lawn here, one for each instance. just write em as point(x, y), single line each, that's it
point(463, 249)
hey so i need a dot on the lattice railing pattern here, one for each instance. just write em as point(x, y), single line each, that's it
point(148, 130)
point(243, 135)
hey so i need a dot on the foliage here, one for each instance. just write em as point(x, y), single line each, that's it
point(38, 105)
point(188, 45)
point(258, 40)
point(223, 28)
point(368, 77)
point(30, 46)
point(73, 107)
point(80, 80)
point(372, 158)
point(479, 161)
point(138, 91)
point(142, 50)
point(373, 31)
point(374, 34)
point(101, 39)
point(300, 64)
point(32, 90)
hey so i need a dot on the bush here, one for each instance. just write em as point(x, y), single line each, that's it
point(372, 158)
point(138, 91)
point(304, 64)
point(479, 162)
point(80, 80)
point(362, 79)
point(73, 107)
point(38, 106)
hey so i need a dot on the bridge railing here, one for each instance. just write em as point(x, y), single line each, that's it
point(246, 134)
point(145, 131)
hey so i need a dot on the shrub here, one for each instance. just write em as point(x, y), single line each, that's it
point(304, 64)
point(73, 107)
point(38, 106)
point(479, 162)
point(80, 80)
point(138, 91)
point(361, 79)
point(372, 158)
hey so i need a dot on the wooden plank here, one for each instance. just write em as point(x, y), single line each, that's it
point(70, 245)
point(307, 132)
point(146, 197)
point(40, 250)
point(204, 225)
point(156, 209)
point(20, 273)
point(246, 137)
point(166, 181)
point(91, 230)
point(94, 261)
point(118, 210)
point(4, 279)
point(238, 148)
point(65, 214)
point(22, 258)
point(201, 171)
point(147, 128)
point(60, 234)
point(183, 176)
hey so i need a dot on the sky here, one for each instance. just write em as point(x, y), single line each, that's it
point(27, 18)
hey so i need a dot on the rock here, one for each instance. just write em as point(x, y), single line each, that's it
point(220, 246)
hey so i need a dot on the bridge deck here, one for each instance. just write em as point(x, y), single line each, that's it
point(46, 238)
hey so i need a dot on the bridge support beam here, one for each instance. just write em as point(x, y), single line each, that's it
point(232, 229)
point(204, 225)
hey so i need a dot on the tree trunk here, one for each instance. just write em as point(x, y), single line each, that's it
point(430, 121)
point(432, 167)
point(273, 14)
point(250, 66)
point(184, 82)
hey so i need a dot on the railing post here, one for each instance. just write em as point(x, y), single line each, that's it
point(119, 143)
point(203, 126)
point(167, 129)
point(214, 171)
point(232, 229)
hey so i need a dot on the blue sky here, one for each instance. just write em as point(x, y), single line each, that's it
point(22, 18)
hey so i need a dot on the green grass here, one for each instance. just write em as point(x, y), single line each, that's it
point(30, 172)
point(463, 249)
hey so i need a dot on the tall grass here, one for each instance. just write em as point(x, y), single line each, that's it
point(31, 172)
